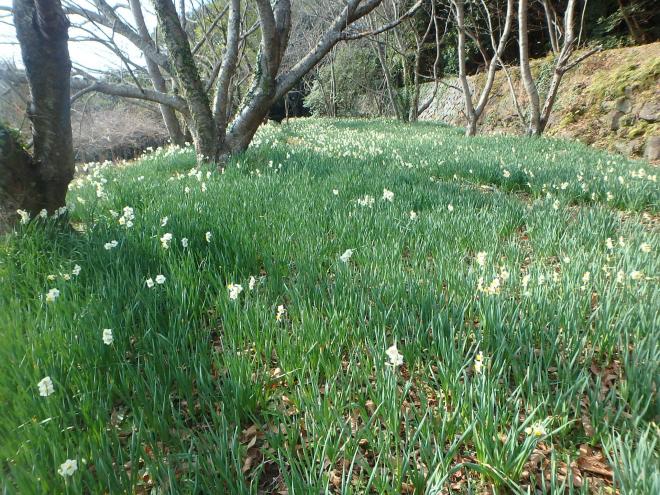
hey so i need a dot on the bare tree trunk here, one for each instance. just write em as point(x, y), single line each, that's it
point(471, 127)
point(157, 80)
point(41, 181)
point(404, 96)
point(436, 63)
point(498, 48)
point(551, 20)
point(405, 73)
point(539, 117)
point(414, 112)
point(382, 59)
point(19, 179)
point(202, 124)
point(182, 13)
point(275, 27)
point(568, 47)
point(268, 86)
point(222, 101)
point(333, 86)
point(526, 73)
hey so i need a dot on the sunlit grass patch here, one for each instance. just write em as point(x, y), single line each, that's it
point(249, 349)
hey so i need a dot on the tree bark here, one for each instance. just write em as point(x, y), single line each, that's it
point(19, 179)
point(275, 27)
point(333, 87)
point(157, 80)
point(499, 51)
point(227, 69)
point(41, 181)
point(436, 63)
point(561, 65)
point(414, 111)
point(471, 128)
point(389, 84)
point(551, 19)
point(202, 124)
point(539, 117)
point(526, 72)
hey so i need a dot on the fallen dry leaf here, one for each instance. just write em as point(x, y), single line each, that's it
point(593, 461)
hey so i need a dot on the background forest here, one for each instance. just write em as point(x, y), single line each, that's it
point(398, 73)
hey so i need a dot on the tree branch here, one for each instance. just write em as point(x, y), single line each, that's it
point(582, 57)
point(108, 18)
point(228, 67)
point(354, 36)
point(352, 12)
point(208, 31)
point(127, 91)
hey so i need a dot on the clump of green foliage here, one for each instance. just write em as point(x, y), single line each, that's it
point(355, 75)
point(7, 131)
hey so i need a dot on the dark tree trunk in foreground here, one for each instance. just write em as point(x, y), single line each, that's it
point(18, 179)
point(40, 181)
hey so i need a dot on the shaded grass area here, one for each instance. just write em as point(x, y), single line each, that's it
point(201, 393)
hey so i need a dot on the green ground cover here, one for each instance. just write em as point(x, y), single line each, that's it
point(517, 278)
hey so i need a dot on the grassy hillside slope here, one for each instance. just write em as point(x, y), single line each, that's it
point(518, 280)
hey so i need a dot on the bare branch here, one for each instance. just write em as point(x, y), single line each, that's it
point(127, 91)
point(582, 57)
point(108, 18)
point(228, 68)
point(386, 27)
point(208, 31)
point(352, 12)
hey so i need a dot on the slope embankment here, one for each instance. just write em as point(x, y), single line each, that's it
point(610, 101)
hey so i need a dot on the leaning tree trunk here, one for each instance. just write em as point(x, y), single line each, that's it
point(389, 84)
point(201, 122)
point(470, 115)
point(157, 80)
point(41, 181)
point(275, 25)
